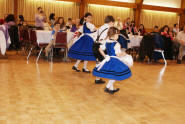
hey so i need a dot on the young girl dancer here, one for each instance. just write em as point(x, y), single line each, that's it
point(113, 67)
point(82, 48)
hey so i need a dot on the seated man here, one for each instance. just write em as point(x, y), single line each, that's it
point(181, 40)
point(52, 43)
point(155, 30)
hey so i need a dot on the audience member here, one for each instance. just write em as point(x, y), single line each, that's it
point(181, 40)
point(133, 28)
point(74, 27)
point(61, 21)
point(118, 24)
point(52, 19)
point(176, 28)
point(141, 30)
point(69, 23)
point(40, 18)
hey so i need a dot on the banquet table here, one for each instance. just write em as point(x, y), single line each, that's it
point(135, 41)
point(44, 37)
point(134, 44)
point(2, 43)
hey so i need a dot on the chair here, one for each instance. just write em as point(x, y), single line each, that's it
point(61, 42)
point(24, 37)
point(33, 41)
point(41, 46)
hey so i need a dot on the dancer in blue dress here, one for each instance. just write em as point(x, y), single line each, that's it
point(114, 66)
point(82, 48)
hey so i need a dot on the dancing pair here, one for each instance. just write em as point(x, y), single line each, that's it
point(110, 64)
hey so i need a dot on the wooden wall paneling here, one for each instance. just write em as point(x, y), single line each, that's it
point(160, 8)
point(182, 15)
point(137, 12)
point(16, 10)
point(112, 3)
point(78, 1)
point(83, 5)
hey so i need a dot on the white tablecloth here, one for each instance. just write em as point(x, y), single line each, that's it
point(3, 43)
point(135, 41)
point(45, 36)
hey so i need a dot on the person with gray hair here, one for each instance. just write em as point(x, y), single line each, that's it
point(118, 24)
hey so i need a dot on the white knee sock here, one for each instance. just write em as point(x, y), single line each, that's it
point(77, 63)
point(85, 64)
point(110, 84)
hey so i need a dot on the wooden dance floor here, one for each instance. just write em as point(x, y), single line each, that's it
point(54, 94)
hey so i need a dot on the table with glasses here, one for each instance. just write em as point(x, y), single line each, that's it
point(45, 37)
point(134, 44)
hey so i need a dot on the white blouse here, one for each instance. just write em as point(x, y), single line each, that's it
point(117, 47)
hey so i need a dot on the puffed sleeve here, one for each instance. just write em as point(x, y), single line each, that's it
point(90, 26)
point(117, 48)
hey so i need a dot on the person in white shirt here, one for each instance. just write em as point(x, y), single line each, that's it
point(102, 36)
point(181, 40)
point(176, 29)
point(69, 23)
point(118, 24)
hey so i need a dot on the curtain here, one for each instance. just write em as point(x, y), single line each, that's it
point(28, 8)
point(6, 7)
point(100, 12)
point(165, 3)
point(151, 18)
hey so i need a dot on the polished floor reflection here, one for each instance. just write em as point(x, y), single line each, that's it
point(54, 94)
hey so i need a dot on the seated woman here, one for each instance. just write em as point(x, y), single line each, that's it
point(141, 30)
point(133, 29)
point(168, 44)
point(21, 20)
point(74, 26)
point(61, 21)
point(4, 34)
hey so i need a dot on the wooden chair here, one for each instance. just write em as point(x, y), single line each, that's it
point(61, 42)
point(24, 38)
point(33, 41)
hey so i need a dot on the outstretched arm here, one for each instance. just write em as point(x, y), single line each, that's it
point(102, 52)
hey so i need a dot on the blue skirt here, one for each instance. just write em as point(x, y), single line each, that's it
point(82, 49)
point(113, 69)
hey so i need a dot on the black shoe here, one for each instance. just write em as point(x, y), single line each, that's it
point(76, 69)
point(86, 70)
point(111, 91)
point(107, 90)
point(179, 61)
point(99, 81)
